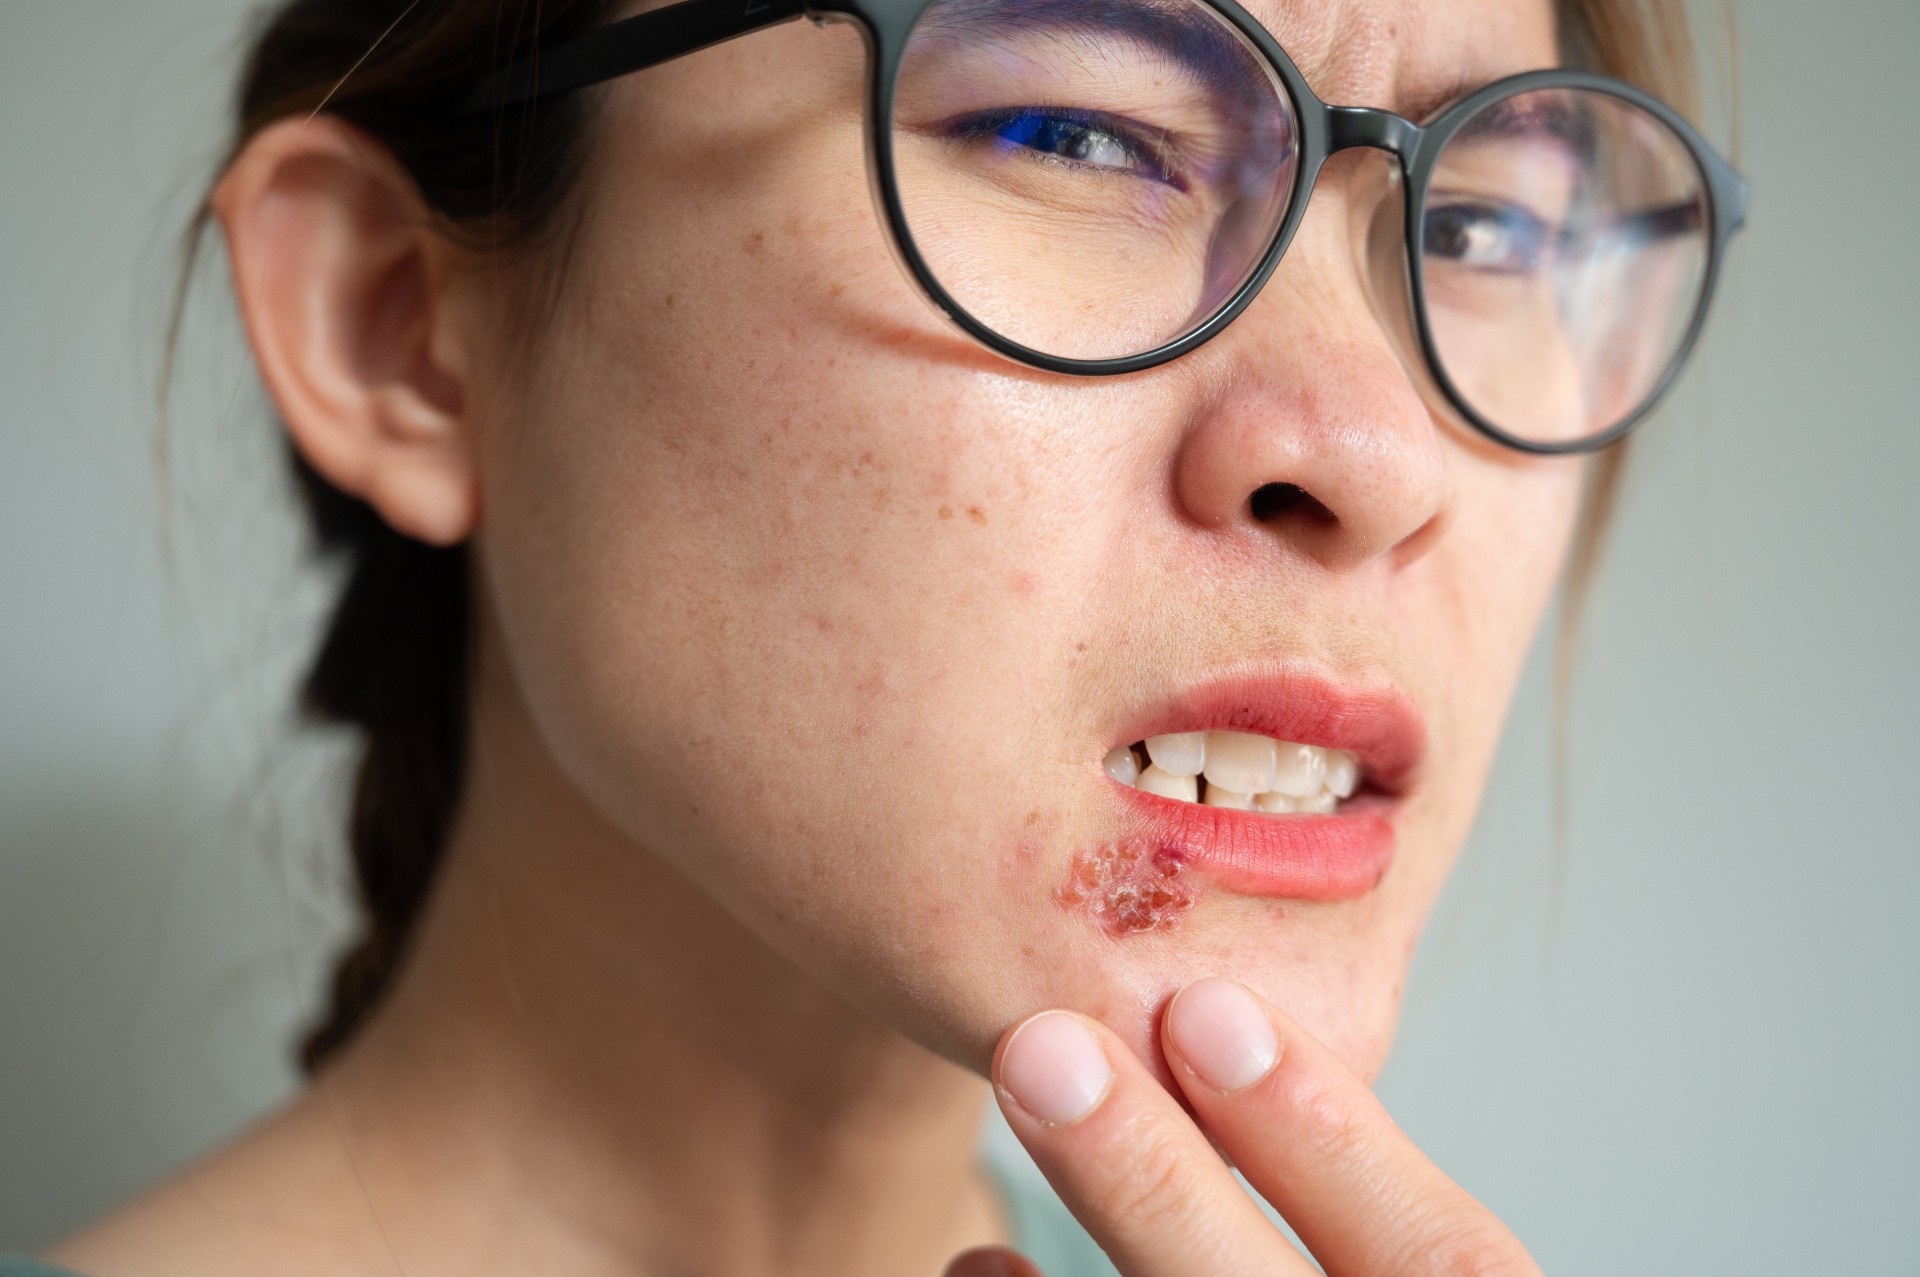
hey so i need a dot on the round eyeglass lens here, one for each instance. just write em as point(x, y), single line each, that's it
point(1564, 251)
point(1091, 179)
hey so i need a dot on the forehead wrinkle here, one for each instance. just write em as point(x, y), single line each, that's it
point(1409, 56)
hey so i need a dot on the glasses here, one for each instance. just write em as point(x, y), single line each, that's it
point(1099, 186)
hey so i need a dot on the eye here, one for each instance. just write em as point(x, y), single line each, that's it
point(1499, 238)
point(1082, 139)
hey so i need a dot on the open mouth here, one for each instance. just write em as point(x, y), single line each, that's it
point(1239, 771)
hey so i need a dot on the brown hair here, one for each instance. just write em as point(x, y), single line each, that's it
point(394, 659)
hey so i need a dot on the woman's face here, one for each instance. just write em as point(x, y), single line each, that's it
point(838, 614)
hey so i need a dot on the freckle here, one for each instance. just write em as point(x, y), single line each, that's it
point(754, 241)
point(975, 513)
point(946, 512)
point(822, 624)
point(1079, 647)
point(669, 302)
point(1033, 817)
point(836, 290)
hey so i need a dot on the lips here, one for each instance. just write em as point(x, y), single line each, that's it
point(1293, 856)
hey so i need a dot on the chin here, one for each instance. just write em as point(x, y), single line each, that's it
point(1352, 1006)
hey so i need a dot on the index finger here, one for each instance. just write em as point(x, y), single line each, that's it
point(1315, 1142)
point(1127, 1160)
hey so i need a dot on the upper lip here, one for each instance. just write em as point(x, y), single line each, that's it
point(1299, 702)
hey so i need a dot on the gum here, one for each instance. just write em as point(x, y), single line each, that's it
point(1128, 886)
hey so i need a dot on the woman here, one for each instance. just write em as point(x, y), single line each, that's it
point(796, 687)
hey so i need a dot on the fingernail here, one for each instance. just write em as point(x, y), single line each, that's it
point(1054, 1069)
point(989, 1261)
point(1220, 1031)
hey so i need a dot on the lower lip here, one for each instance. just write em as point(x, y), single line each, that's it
point(1293, 857)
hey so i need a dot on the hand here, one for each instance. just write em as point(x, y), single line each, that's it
point(1141, 1176)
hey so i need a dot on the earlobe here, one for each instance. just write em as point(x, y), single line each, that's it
point(340, 280)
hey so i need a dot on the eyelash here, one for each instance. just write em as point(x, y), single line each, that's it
point(981, 126)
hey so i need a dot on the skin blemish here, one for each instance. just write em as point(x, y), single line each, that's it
point(946, 512)
point(975, 513)
point(1128, 886)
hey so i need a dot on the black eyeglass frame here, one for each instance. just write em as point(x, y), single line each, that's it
point(662, 35)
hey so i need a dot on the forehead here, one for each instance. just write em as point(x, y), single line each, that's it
point(1410, 56)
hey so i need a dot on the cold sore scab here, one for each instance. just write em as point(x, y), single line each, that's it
point(1128, 886)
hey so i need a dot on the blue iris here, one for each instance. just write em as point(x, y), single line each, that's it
point(1086, 138)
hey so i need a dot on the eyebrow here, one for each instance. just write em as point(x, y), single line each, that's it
point(1202, 44)
point(1544, 114)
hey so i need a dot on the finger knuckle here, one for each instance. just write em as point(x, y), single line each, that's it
point(1478, 1247)
point(1153, 1183)
point(1330, 1128)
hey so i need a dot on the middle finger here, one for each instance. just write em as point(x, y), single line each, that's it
point(1127, 1160)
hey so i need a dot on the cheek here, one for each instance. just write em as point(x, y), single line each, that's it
point(1507, 557)
point(781, 573)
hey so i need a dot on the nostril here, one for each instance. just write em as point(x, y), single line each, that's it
point(1272, 502)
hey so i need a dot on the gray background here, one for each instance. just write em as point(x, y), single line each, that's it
point(1689, 1048)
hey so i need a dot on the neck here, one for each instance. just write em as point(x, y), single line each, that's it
point(586, 1064)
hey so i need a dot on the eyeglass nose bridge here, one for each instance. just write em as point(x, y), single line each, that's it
point(1365, 126)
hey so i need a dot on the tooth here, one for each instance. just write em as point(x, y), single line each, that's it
point(1321, 804)
point(1278, 804)
point(1179, 754)
point(1343, 773)
point(1219, 797)
point(1302, 770)
point(1122, 766)
point(1157, 780)
point(1240, 762)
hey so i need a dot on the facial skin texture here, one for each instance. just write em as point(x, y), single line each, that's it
point(836, 613)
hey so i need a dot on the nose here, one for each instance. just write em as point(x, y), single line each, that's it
point(1314, 433)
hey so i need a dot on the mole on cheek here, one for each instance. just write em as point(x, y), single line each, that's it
point(1128, 886)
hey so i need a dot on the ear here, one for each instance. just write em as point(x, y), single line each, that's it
point(342, 284)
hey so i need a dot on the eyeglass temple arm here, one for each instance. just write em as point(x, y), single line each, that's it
point(631, 44)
